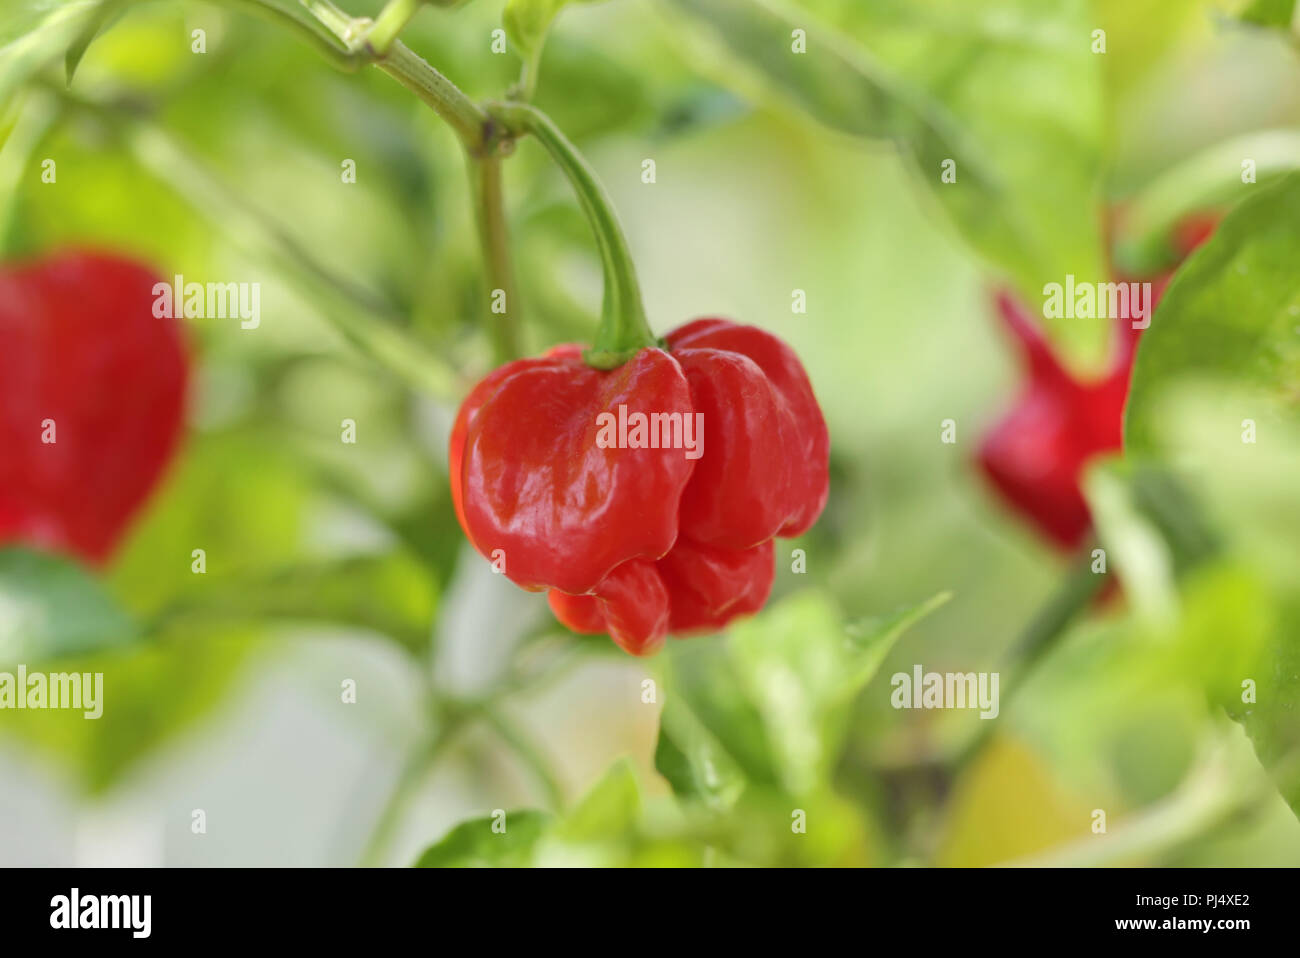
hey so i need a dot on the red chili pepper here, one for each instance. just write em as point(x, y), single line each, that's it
point(1035, 455)
point(86, 364)
point(639, 542)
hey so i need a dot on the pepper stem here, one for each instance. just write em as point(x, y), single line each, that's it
point(623, 330)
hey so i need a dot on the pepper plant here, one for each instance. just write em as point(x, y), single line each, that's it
point(452, 301)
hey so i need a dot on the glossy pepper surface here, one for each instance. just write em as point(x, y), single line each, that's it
point(639, 542)
point(92, 396)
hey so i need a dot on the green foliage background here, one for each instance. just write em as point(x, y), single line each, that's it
point(774, 172)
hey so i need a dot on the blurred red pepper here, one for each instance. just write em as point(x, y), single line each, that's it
point(1035, 455)
point(92, 395)
point(639, 542)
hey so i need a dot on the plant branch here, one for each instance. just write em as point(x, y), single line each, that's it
point(525, 751)
point(494, 239)
point(1219, 789)
point(409, 779)
point(390, 22)
point(396, 59)
point(325, 43)
point(623, 326)
point(1072, 596)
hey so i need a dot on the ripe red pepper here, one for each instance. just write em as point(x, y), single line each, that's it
point(87, 364)
point(1035, 455)
point(640, 542)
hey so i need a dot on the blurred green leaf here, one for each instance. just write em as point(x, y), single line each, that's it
point(52, 608)
point(1229, 624)
point(769, 707)
point(870, 640)
point(1240, 613)
point(94, 25)
point(1208, 180)
point(526, 21)
point(1272, 13)
point(768, 827)
point(1229, 316)
point(391, 595)
point(802, 670)
point(1134, 546)
point(238, 497)
point(608, 815)
point(990, 88)
point(709, 718)
point(693, 761)
point(842, 87)
point(152, 692)
point(610, 809)
point(474, 844)
point(36, 32)
point(1272, 720)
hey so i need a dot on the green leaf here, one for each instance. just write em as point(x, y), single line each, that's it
point(870, 640)
point(35, 33)
point(152, 692)
point(474, 844)
point(1134, 546)
point(841, 86)
point(50, 608)
point(391, 594)
point(609, 810)
point(1229, 318)
point(769, 706)
point(607, 815)
point(760, 830)
point(1207, 180)
point(710, 718)
point(953, 86)
point(107, 11)
point(1273, 720)
point(693, 761)
point(1272, 13)
point(527, 22)
point(801, 670)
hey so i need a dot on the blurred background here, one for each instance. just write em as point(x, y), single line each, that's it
point(330, 562)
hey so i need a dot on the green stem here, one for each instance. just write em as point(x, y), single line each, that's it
point(391, 21)
point(526, 752)
point(35, 119)
point(324, 42)
point(527, 85)
point(623, 326)
point(1219, 789)
point(408, 782)
point(444, 97)
point(1049, 624)
point(494, 238)
point(411, 70)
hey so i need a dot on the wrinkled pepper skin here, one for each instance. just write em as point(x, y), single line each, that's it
point(1036, 454)
point(82, 348)
point(642, 542)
